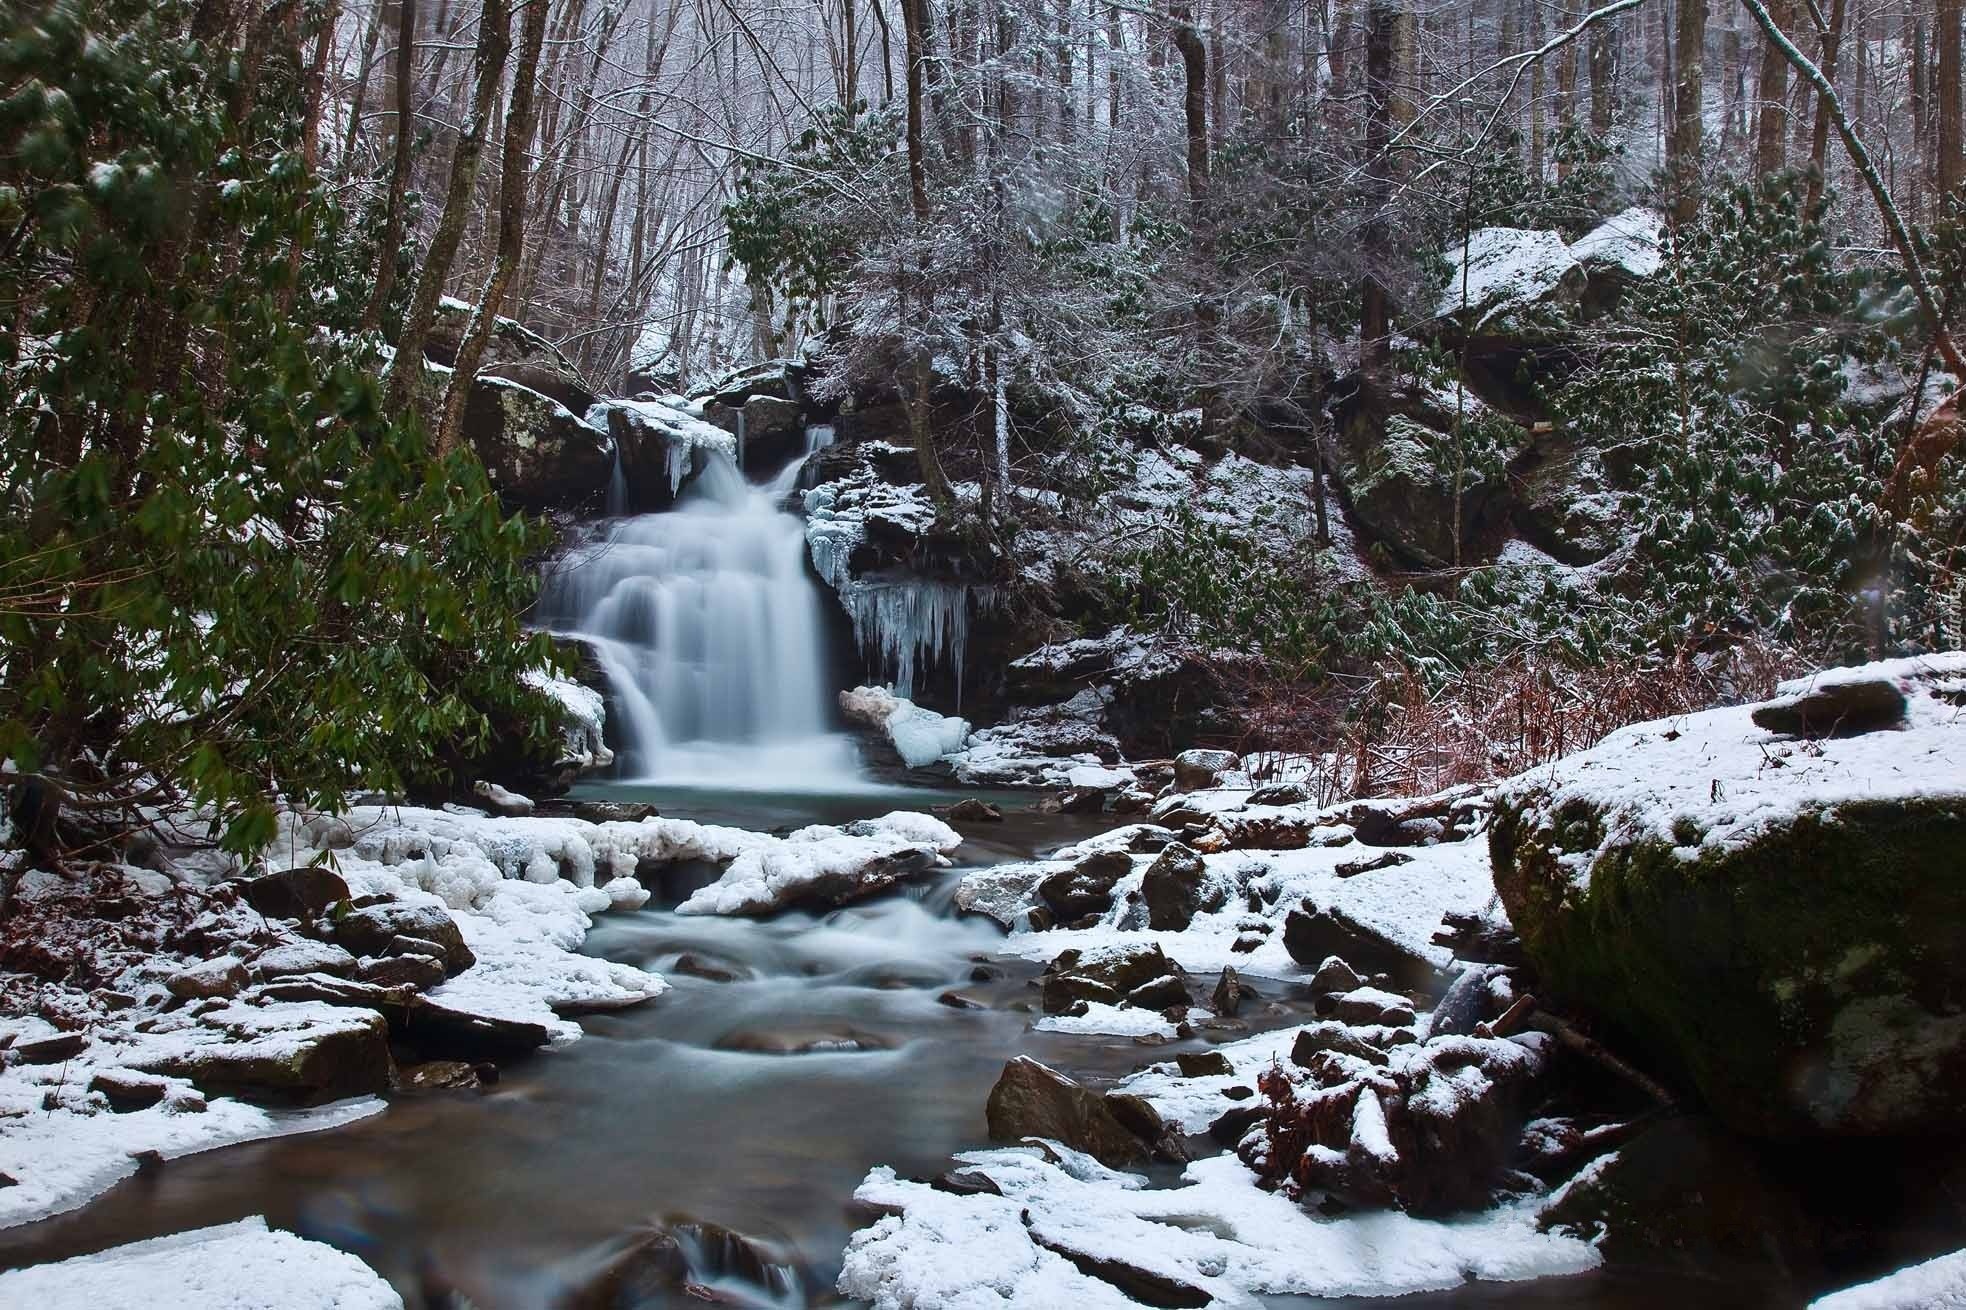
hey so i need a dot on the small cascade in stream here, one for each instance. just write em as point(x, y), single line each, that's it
point(712, 636)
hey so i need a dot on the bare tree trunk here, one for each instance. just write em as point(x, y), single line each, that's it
point(1687, 144)
point(1375, 320)
point(361, 91)
point(1819, 141)
point(1537, 93)
point(1194, 64)
point(1770, 92)
point(1950, 167)
point(399, 171)
point(519, 119)
point(911, 275)
point(1604, 74)
point(405, 382)
point(1566, 84)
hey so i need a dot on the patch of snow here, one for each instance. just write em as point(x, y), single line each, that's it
point(1632, 240)
point(1934, 1285)
point(1109, 1020)
point(236, 1266)
point(1506, 267)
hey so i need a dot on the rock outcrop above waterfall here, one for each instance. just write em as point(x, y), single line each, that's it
point(1774, 917)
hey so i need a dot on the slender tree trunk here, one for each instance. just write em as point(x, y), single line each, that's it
point(912, 279)
point(1566, 85)
point(361, 91)
point(1819, 140)
point(520, 116)
point(1194, 64)
point(405, 384)
point(1950, 166)
point(399, 170)
point(1375, 320)
point(1770, 93)
point(1604, 73)
point(1683, 157)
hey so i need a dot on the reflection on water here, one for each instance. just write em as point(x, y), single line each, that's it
point(515, 1198)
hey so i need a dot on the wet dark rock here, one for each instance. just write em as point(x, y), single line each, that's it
point(444, 1028)
point(304, 893)
point(1319, 1038)
point(1160, 993)
point(1112, 975)
point(1239, 1092)
point(50, 1050)
point(1230, 993)
point(127, 1090)
point(375, 929)
point(1383, 860)
point(1086, 887)
point(1082, 800)
point(688, 1261)
point(966, 1182)
point(614, 811)
point(437, 1076)
point(957, 1001)
point(834, 1042)
point(1234, 1123)
point(1031, 1100)
point(972, 810)
point(1840, 709)
point(1203, 1064)
point(1069, 993)
point(1176, 887)
point(695, 966)
point(1334, 975)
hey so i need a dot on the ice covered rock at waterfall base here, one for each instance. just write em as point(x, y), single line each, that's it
point(1218, 1235)
point(583, 721)
point(662, 438)
point(1938, 1284)
point(826, 866)
point(920, 736)
point(237, 1266)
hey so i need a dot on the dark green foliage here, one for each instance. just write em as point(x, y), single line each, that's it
point(225, 575)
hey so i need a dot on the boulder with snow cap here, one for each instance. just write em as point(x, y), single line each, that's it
point(376, 929)
point(1196, 769)
point(1177, 886)
point(299, 893)
point(1314, 934)
point(1086, 887)
point(1773, 921)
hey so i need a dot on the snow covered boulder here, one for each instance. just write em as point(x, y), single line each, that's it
point(919, 736)
point(1776, 917)
point(539, 454)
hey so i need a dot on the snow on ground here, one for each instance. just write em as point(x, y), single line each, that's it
point(1217, 1233)
point(236, 1266)
point(1191, 1104)
point(1934, 1285)
point(1716, 780)
point(1112, 1021)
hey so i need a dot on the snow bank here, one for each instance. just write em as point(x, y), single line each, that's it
point(1717, 780)
point(1218, 1234)
point(236, 1266)
point(1631, 241)
point(1935, 1285)
point(833, 864)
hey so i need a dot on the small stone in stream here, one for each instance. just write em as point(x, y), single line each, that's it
point(1246, 943)
point(839, 1041)
point(304, 893)
point(1334, 975)
point(223, 976)
point(1030, 1100)
point(487, 1072)
point(696, 967)
point(1238, 1092)
point(957, 1001)
point(1321, 1037)
point(1230, 1127)
point(444, 1028)
point(1230, 992)
point(1159, 994)
point(1183, 1031)
point(148, 1162)
point(436, 1076)
point(1369, 1005)
point(966, 1182)
point(1152, 1039)
point(972, 810)
point(417, 972)
point(50, 1050)
point(614, 811)
point(984, 973)
point(1383, 860)
point(1082, 800)
point(1842, 709)
point(1203, 1064)
point(1086, 887)
point(1132, 801)
point(1039, 919)
point(1048, 805)
point(126, 1090)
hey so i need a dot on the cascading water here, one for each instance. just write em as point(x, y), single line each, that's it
point(712, 637)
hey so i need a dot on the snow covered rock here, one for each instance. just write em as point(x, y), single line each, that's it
point(826, 866)
point(1776, 917)
point(920, 736)
point(538, 454)
point(236, 1266)
point(662, 441)
point(1938, 1284)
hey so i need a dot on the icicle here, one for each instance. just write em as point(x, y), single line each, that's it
point(617, 487)
point(911, 625)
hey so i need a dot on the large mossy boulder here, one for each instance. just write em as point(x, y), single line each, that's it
point(1776, 918)
point(538, 453)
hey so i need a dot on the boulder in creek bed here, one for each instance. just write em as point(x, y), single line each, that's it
point(1774, 922)
point(1177, 886)
point(1313, 936)
point(972, 810)
point(1032, 1100)
point(614, 811)
point(538, 454)
point(127, 1091)
point(1109, 975)
point(1086, 887)
point(293, 893)
point(1196, 769)
point(442, 1028)
point(283, 1054)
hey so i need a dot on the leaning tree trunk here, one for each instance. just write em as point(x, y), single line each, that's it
point(519, 118)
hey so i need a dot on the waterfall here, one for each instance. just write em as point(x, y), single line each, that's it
point(712, 636)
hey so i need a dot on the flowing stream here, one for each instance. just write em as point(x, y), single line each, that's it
point(757, 1102)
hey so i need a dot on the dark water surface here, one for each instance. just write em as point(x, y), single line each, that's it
point(511, 1197)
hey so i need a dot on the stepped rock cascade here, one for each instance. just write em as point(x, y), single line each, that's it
point(712, 636)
